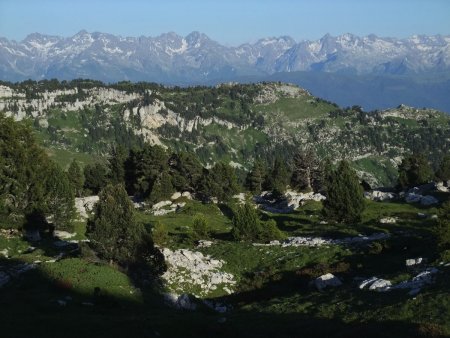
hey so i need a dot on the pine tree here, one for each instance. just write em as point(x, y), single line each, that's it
point(306, 171)
point(443, 172)
point(186, 171)
point(23, 170)
point(76, 178)
point(246, 223)
point(95, 177)
point(344, 196)
point(162, 188)
point(414, 170)
point(278, 178)
point(220, 181)
point(60, 204)
point(116, 164)
point(148, 165)
point(113, 231)
point(255, 178)
point(442, 230)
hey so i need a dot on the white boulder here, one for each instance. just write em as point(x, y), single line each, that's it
point(187, 194)
point(388, 220)
point(327, 280)
point(414, 261)
point(175, 196)
point(375, 283)
point(161, 204)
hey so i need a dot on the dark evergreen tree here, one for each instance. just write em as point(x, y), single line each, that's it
point(150, 162)
point(246, 223)
point(278, 178)
point(23, 170)
point(113, 231)
point(162, 188)
point(76, 178)
point(306, 171)
point(414, 170)
point(186, 171)
point(344, 196)
point(223, 179)
point(60, 204)
point(443, 172)
point(255, 178)
point(116, 164)
point(442, 229)
point(95, 177)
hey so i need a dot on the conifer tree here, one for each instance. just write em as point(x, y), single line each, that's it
point(76, 178)
point(60, 204)
point(113, 231)
point(95, 177)
point(246, 223)
point(414, 170)
point(443, 228)
point(443, 172)
point(278, 178)
point(255, 178)
point(116, 164)
point(162, 188)
point(186, 171)
point(306, 171)
point(344, 196)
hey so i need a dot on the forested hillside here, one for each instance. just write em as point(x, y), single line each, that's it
point(231, 123)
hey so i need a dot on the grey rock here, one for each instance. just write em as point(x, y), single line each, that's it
point(327, 280)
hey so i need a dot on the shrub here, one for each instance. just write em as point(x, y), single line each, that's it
point(270, 231)
point(246, 224)
point(248, 227)
point(200, 227)
point(160, 234)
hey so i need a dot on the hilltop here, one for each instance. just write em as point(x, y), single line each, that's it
point(233, 123)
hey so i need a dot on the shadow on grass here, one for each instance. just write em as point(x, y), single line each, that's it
point(35, 304)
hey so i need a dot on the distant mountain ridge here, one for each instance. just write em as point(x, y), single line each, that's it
point(197, 59)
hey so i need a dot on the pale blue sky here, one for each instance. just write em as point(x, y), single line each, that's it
point(230, 22)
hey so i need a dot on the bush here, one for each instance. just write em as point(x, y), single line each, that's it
point(200, 227)
point(246, 224)
point(270, 231)
point(248, 227)
point(160, 234)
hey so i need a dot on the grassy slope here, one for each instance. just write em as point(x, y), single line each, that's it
point(275, 299)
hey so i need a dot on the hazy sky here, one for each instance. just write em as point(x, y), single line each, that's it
point(230, 22)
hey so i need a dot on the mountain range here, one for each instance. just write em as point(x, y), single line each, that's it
point(415, 70)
